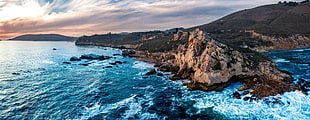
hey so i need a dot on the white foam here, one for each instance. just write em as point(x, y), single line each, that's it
point(296, 106)
point(48, 62)
point(280, 60)
point(133, 103)
point(142, 65)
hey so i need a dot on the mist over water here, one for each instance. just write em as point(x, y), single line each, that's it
point(43, 87)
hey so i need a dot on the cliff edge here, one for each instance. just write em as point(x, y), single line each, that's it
point(211, 65)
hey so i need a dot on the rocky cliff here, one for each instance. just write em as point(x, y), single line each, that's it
point(211, 65)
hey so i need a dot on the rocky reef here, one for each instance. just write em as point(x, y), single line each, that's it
point(211, 65)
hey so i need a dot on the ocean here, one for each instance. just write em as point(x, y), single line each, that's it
point(35, 84)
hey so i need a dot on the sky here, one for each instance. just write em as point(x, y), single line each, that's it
point(87, 17)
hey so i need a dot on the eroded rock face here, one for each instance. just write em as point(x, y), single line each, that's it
point(211, 62)
point(289, 42)
point(212, 66)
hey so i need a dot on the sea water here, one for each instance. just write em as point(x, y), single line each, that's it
point(36, 84)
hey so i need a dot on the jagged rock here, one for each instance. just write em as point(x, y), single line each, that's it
point(151, 72)
point(237, 95)
point(242, 88)
point(168, 68)
point(307, 84)
point(108, 67)
point(54, 49)
point(128, 52)
point(210, 65)
point(160, 74)
point(75, 59)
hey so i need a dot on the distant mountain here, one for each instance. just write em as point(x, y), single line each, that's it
point(43, 37)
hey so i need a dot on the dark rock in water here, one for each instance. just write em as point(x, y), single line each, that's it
point(90, 56)
point(16, 73)
point(160, 74)
point(205, 87)
point(273, 101)
point(108, 67)
point(246, 98)
point(112, 63)
point(124, 61)
point(116, 54)
point(245, 92)
point(54, 49)
point(83, 64)
point(66, 62)
point(236, 95)
point(118, 62)
point(128, 52)
point(300, 80)
point(75, 59)
point(145, 77)
point(151, 72)
point(307, 84)
point(95, 57)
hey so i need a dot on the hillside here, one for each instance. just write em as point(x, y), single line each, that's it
point(43, 37)
point(281, 19)
point(273, 26)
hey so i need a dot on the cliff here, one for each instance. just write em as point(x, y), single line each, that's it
point(211, 65)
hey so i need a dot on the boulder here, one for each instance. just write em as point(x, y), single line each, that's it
point(151, 72)
point(160, 74)
point(237, 95)
point(75, 59)
point(90, 56)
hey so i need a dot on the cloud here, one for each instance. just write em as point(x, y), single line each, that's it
point(79, 17)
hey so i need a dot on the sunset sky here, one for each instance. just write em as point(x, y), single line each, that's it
point(87, 17)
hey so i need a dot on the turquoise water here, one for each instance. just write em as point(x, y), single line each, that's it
point(46, 88)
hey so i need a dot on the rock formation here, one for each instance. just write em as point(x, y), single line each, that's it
point(211, 65)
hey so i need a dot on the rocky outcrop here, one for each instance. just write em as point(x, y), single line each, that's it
point(211, 65)
point(294, 41)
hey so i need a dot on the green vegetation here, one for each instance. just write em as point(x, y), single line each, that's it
point(162, 44)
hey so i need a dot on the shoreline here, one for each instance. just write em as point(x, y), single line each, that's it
point(213, 66)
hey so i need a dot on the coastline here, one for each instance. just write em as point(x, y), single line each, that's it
point(265, 73)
